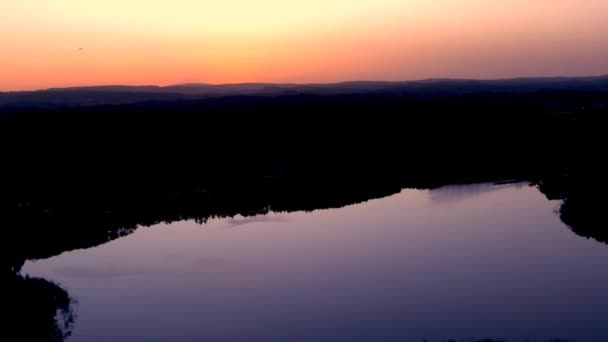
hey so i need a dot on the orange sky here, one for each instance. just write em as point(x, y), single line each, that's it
point(166, 42)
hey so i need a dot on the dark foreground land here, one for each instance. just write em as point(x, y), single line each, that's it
point(76, 176)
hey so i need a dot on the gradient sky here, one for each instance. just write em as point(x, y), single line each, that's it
point(177, 41)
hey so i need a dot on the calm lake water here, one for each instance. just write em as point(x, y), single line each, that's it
point(460, 262)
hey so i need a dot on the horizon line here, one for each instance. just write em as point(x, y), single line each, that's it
point(444, 79)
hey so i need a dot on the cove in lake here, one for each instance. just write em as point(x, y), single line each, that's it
point(458, 262)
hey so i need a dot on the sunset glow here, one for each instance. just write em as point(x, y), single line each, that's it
point(167, 42)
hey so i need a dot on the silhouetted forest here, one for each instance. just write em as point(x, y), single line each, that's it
point(77, 177)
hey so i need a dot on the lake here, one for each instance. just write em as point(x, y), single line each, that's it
point(459, 262)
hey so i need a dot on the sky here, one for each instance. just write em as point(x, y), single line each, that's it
point(59, 43)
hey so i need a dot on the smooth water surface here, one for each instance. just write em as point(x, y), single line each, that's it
point(460, 262)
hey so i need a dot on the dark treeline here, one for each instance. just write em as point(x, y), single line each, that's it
point(79, 177)
point(489, 134)
point(120, 166)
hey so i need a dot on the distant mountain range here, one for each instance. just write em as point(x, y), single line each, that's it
point(120, 94)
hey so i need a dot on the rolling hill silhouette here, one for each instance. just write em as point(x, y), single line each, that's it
point(120, 94)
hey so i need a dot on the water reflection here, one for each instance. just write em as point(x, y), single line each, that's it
point(430, 252)
point(453, 193)
point(265, 218)
point(404, 267)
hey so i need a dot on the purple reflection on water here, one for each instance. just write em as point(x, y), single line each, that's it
point(458, 262)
